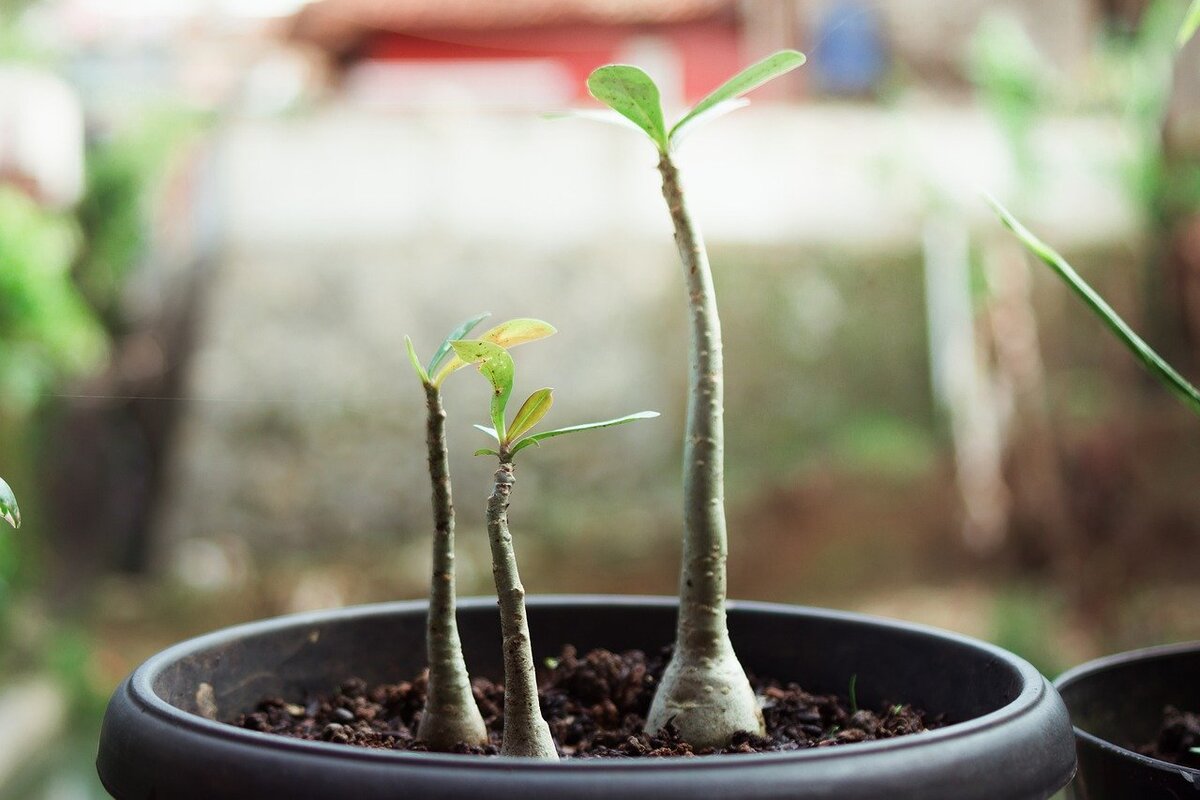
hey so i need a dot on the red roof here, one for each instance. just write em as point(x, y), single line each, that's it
point(338, 24)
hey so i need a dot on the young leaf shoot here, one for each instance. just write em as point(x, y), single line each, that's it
point(526, 733)
point(1142, 351)
point(704, 692)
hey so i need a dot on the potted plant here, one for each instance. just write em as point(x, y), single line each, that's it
point(1008, 736)
point(1130, 710)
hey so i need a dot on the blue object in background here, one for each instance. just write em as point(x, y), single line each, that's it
point(849, 56)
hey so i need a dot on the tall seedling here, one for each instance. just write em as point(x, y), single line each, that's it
point(451, 715)
point(704, 692)
point(526, 733)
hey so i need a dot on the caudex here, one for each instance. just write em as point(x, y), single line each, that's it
point(704, 694)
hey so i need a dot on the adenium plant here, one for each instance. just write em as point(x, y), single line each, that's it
point(451, 715)
point(704, 692)
point(526, 733)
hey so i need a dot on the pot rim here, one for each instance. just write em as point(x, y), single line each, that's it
point(1089, 668)
point(139, 688)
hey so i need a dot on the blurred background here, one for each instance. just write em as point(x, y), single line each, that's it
point(219, 218)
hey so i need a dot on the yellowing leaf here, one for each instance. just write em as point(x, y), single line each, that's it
point(496, 365)
point(531, 413)
point(506, 335)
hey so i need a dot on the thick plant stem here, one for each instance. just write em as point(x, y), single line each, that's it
point(704, 692)
point(451, 715)
point(526, 733)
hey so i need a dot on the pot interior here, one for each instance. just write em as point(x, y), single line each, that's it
point(297, 656)
point(1121, 699)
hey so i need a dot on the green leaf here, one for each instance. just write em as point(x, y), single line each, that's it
point(531, 413)
point(694, 121)
point(587, 426)
point(416, 362)
point(750, 78)
point(483, 451)
point(489, 431)
point(496, 365)
point(8, 505)
point(1144, 353)
point(631, 93)
point(458, 333)
point(1190, 23)
point(506, 334)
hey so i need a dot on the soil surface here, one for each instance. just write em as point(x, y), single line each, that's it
point(1180, 732)
point(595, 705)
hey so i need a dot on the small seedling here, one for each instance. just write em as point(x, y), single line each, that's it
point(1153, 362)
point(9, 512)
point(526, 733)
point(451, 715)
point(704, 693)
point(854, 693)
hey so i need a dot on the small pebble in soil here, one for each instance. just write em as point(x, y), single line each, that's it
point(596, 706)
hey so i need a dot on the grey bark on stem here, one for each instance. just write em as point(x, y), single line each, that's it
point(451, 714)
point(704, 691)
point(526, 733)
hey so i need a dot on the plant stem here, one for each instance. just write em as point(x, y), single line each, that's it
point(704, 692)
point(451, 715)
point(526, 733)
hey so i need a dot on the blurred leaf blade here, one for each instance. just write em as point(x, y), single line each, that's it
point(9, 511)
point(587, 426)
point(1190, 24)
point(753, 76)
point(633, 94)
point(1142, 351)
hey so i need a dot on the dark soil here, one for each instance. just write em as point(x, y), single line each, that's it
point(1180, 732)
point(595, 705)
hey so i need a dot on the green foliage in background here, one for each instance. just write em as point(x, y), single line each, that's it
point(47, 329)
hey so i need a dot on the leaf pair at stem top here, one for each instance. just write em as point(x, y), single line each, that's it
point(631, 93)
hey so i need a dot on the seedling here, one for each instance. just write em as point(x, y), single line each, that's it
point(526, 733)
point(8, 505)
point(704, 692)
point(451, 715)
point(1153, 362)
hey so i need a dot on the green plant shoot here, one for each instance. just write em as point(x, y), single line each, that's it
point(495, 364)
point(526, 733)
point(1142, 351)
point(704, 692)
point(1190, 23)
point(9, 512)
point(451, 715)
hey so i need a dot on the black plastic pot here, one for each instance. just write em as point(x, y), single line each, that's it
point(1012, 738)
point(1117, 703)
